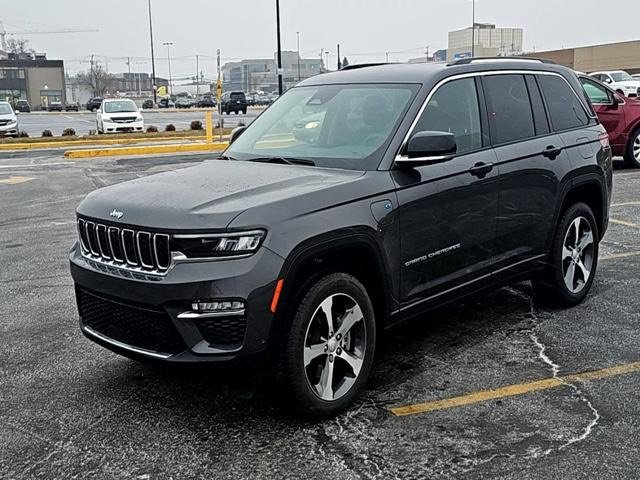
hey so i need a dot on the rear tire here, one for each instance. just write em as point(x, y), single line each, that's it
point(573, 260)
point(326, 361)
point(632, 152)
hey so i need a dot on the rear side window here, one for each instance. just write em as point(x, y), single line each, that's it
point(510, 114)
point(564, 107)
point(454, 109)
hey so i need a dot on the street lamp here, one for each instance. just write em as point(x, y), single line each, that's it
point(298, 38)
point(279, 48)
point(169, 45)
point(473, 28)
point(327, 62)
point(153, 59)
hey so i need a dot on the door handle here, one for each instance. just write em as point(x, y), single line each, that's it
point(481, 169)
point(552, 152)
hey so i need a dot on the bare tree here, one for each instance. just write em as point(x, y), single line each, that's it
point(98, 79)
point(19, 46)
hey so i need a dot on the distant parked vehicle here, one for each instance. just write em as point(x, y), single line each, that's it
point(8, 121)
point(23, 106)
point(147, 104)
point(71, 106)
point(206, 101)
point(620, 81)
point(183, 102)
point(55, 106)
point(117, 115)
point(94, 104)
point(166, 103)
point(620, 116)
point(233, 102)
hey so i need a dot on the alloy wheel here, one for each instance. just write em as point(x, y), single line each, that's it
point(577, 255)
point(335, 346)
point(636, 148)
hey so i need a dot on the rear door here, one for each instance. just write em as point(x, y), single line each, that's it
point(531, 162)
point(448, 210)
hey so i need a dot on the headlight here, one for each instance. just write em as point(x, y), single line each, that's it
point(218, 244)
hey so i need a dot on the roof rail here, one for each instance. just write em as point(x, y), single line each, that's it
point(355, 66)
point(467, 61)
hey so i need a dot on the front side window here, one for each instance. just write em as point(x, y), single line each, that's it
point(510, 114)
point(453, 108)
point(120, 106)
point(565, 108)
point(596, 93)
point(341, 126)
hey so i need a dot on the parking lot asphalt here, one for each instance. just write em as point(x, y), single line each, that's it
point(70, 409)
point(82, 122)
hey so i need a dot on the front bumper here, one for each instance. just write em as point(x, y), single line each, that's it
point(10, 129)
point(116, 127)
point(147, 318)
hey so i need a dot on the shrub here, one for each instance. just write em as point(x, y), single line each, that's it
point(68, 132)
point(196, 125)
point(47, 133)
point(23, 134)
point(170, 128)
point(152, 129)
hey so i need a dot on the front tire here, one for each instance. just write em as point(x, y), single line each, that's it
point(632, 153)
point(574, 258)
point(329, 348)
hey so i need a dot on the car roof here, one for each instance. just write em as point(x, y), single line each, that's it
point(422, 73)
point(117, 100)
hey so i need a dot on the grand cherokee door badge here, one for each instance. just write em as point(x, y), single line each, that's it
point(431, 255)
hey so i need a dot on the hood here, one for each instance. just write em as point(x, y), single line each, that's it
point(7, 116)
point(209, 195)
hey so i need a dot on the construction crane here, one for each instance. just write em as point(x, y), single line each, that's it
point(4, 33)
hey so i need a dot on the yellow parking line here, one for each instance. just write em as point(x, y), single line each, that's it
point(623, 222)
point(144, 150)
point(619, 255)
point(15, 180)
point(515, 390)
point(624, 204)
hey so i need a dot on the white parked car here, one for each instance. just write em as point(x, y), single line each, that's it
point(620, 81)
point(117, 115)
point(8, 121)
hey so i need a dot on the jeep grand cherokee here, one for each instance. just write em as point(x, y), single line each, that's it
point(418, 185)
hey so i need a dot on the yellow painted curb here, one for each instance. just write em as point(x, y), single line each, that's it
point(72, 143)
point(145, 150)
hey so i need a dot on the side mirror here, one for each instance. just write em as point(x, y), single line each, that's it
point(17, 112)
point(428, 147)
point(235, 133)
point(607, 80)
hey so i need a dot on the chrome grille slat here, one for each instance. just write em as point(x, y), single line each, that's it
point(128, 249)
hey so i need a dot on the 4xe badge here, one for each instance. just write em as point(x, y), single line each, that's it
point(116, 214)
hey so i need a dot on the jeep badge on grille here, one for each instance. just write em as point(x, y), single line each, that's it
point(116, 214)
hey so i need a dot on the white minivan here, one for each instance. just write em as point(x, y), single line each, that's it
point(8, 121)
point(117, 115)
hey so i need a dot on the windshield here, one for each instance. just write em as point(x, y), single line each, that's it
point(5, 108)
point(621, 76)
point(120, 106)
point(342, 126)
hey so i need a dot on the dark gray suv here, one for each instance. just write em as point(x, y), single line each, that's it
point(412, 186)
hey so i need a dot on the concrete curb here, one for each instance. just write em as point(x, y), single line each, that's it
point(145, 150)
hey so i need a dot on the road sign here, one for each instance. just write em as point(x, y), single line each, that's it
point(162, 91)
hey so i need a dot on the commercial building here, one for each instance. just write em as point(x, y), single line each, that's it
point(36, 79)
point(261, 74)
point(609, 56)
point(489, 41)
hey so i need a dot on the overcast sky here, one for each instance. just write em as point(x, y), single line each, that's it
point(366, 29)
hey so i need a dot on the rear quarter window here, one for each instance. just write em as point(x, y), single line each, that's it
point(564, 107)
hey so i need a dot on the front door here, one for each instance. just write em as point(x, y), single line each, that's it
point(448, 210)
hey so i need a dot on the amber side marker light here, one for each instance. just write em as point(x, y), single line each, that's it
point(276, 295)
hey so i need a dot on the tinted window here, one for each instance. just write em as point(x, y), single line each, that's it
point(595, 92)
point(510, 115)
point(237, 96)
point(565, 109)
point(454, 109)
point(539, 113)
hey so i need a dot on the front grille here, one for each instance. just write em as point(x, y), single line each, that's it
point(135, 250)
point(225, 333)
point(136, 326)
point(124, 120)
point(4, 122)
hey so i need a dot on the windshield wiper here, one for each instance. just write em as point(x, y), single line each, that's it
point(283, 160)
point(225, 157)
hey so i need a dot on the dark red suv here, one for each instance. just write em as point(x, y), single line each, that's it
point(620, 116)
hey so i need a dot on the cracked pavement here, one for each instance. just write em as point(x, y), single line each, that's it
point(70, 409)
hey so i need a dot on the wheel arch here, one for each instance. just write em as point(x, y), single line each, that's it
point(586, 188)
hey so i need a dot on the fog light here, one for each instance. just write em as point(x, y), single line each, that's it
point(217, 306)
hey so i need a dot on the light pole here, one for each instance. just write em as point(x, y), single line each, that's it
point(298, 39)
point(153, 59)
point(169, 45)
point(279, 48)
point(473, 28)
point(327, 53)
